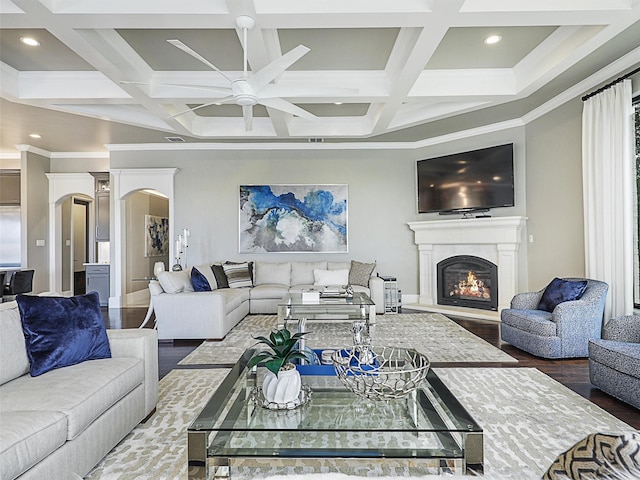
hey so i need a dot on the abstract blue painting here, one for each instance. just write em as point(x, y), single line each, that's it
point(293, 218)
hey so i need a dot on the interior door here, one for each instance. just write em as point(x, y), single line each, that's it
point(80, 243)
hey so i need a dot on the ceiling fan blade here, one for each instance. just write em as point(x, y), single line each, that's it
point(288, 107)
point(221, 90)
point(178, 44)
point(275, 68)
point(222, 100)
point(292, 91)
point(247, 113)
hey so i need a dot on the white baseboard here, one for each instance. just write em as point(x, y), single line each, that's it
point(139, 298)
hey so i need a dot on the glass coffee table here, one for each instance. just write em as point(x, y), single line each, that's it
point(294, 311)
point(428, 429)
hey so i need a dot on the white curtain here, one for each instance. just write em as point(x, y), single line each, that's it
point(608, 186)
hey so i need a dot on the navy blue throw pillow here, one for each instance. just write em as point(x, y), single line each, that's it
point(62, 331)
point(559, 291)
point(199, 281)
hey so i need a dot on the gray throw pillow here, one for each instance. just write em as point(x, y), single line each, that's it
point(360, 272)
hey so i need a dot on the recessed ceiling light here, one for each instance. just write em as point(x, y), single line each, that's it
point(32, 42)
point(492, 39)
point(337, 103)
point(35, 135)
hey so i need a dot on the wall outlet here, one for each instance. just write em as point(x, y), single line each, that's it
point(39, 243)
point(530, 238)
point(67, 243)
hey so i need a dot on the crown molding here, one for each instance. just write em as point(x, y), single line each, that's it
point(603, 75)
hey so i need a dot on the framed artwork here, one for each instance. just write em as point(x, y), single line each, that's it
point(293, 218)
point(156, 236)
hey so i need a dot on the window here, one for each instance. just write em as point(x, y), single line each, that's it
point(636, 216)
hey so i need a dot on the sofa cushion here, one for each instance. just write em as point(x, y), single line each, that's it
point(234, 297)
point(338, 265)
point(27, 438)
point(175, 282)
point(302, 272)
point(359, 273)
point(199, 281)
point(61, 331)
point(330, 277)
point(267, 273)
point(82, 392)
point(238, 275)
point(559, 291)
point(621, 356)
point(268, 291)
point(13, 354)
point(537, 322)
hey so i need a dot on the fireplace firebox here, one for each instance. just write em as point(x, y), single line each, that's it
point(468, 281)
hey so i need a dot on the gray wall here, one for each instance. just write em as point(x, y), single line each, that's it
point(382, 196)
point(554, 203)
point(138, 205)
point(35, 225)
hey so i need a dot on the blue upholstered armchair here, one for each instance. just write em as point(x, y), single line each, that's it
point(562, 333)
point(614, 360)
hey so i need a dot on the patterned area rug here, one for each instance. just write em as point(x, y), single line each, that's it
point(528, 419)
point(433, 334)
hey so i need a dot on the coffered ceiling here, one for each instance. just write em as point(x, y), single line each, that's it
point(104, 71)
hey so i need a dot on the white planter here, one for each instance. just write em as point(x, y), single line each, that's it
point(281, 389)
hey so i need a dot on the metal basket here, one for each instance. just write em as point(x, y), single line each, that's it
point(380, 373)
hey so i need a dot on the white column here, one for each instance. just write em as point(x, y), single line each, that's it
point(507, 273)
point(427, 273)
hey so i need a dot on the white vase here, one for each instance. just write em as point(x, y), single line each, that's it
point(158, 268)
point(281, 389)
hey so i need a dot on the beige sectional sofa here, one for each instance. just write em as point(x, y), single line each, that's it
point(182, 313)
point(62, 423)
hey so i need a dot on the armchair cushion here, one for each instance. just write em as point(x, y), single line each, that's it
point(537, 322)
point(559, 291)
point(623, 357)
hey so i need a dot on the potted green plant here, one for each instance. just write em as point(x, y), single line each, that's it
point(282, 382)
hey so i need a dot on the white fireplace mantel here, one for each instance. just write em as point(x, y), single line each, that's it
point(497, 239)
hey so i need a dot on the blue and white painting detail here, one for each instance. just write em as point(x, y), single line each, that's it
point(156, 239)
point(293, 218)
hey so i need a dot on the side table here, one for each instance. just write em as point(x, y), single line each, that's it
point(390, 294)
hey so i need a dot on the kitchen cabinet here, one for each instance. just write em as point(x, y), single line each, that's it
point(98, 281)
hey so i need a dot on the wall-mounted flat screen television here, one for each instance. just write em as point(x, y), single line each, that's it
point(465, 182)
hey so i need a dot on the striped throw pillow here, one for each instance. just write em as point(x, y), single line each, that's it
point(238, 275)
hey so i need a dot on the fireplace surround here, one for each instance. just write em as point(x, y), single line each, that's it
point(498, 240)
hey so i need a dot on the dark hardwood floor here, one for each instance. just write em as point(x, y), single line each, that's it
point(573, 373)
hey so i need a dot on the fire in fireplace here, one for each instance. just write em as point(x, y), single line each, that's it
point(468, 281)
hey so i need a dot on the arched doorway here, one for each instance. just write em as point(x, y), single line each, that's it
point(123, 183)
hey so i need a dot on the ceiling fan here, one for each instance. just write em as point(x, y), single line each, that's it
point(256, 87)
